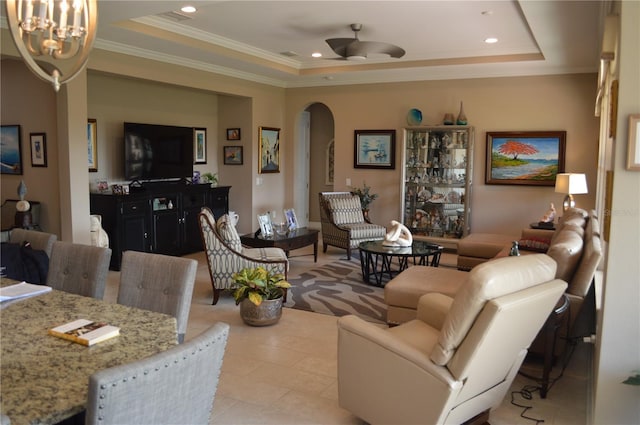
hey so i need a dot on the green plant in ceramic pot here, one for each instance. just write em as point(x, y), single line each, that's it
point(259, 292)
point(365, 195)
point(211, 178)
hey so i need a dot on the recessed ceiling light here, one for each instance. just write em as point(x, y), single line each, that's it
point(490, 40)
point(316, 55)
point(188, 9)
point(487, 12)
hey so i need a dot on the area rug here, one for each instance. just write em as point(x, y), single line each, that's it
point(337, 289)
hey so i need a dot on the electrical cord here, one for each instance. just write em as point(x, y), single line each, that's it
point(526, 393)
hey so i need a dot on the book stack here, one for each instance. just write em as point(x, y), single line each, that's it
point(85, 332)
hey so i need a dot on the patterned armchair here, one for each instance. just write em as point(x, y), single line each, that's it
point(343, 224)
point(226, 255)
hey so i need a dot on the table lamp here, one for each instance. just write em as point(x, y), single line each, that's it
point(570, 183)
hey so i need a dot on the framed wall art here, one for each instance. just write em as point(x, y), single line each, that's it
point(633, 154)
point(233, 134)
point(199, 145)
point(269, 158)
point(531, 158)
point(38, 149)
point(374, 149)
point(92, 144)
point(11, 151)
point(233, 155)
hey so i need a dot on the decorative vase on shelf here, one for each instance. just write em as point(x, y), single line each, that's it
point(448, 119)
point(462, 118)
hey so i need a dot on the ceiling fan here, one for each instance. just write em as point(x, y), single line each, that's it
point(354, 49)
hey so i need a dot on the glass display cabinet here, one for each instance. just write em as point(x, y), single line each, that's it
point(436, 180)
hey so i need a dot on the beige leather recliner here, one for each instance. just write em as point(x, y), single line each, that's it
point(458, 358)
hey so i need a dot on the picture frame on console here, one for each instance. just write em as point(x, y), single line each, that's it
point(266, 228)
point(375, 149)
point(292, 220)
point(92, 144)
point(38, 143)
point(531, 158)
point(199, 145)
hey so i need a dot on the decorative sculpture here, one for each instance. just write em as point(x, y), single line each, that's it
point(398, 236)
point(550, 215)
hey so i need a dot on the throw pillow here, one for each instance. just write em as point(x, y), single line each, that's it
point(228, 233)
point(534, 244)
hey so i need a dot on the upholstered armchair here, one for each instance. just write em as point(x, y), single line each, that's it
point(458, 358)
point(226, 255)
point(343, 224)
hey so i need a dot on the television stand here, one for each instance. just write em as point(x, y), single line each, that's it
point(159, 217)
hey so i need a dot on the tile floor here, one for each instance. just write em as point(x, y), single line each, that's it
point(286, 373)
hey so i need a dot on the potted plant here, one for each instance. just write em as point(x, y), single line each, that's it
point(259, 292)
point(366, 198)
point(211, 178)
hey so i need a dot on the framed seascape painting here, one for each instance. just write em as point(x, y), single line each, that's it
point(11, 151)
point(374, 149)
point(531, 158)
point(269, 158)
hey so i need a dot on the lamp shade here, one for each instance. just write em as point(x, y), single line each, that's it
point(571, 183)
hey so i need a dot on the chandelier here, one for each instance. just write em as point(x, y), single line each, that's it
point(54, 37)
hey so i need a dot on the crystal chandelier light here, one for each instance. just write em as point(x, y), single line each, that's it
point(54, 37)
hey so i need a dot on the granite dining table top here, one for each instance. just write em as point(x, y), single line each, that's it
point(44, 379)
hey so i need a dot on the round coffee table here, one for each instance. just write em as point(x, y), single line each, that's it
point(376, 259)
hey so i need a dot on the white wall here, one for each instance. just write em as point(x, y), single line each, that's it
point(618, 353)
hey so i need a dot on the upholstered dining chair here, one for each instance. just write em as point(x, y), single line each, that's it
point(226, 255)
point(79, 269)
point(176, 386)
point(458, 358)
point(158, 283)
point(343, 223)
point(38, 240)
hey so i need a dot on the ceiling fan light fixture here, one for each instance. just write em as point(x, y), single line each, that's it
point(355, 49)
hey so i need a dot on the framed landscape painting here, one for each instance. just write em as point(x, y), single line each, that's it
point(531, 158)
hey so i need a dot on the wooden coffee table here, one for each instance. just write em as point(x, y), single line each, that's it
point(294, 239)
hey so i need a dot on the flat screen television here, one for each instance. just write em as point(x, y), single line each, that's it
point(157, 152)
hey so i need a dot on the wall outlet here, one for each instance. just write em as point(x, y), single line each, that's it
point(348, 181)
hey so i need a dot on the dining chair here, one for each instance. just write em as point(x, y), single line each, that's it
point(79, 269)
point(158, 283)
point(177, 386)
point(38, 240)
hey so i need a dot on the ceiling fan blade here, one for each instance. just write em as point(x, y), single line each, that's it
point(364, 48)
point(339, 45)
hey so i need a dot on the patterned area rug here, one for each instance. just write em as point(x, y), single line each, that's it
point(337, 289)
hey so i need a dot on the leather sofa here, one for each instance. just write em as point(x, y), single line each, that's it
point(575, 246)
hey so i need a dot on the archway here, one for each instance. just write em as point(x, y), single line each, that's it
point(314, 134)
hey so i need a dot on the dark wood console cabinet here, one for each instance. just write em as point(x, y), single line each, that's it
point(161, 218)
